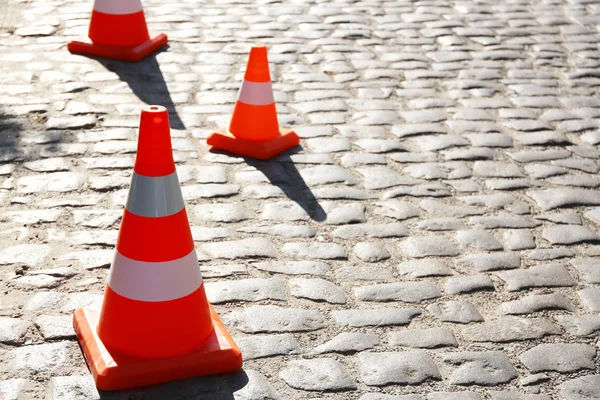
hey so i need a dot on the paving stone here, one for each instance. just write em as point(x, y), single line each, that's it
point(320, 374)
point(440, 209)
point(348, 342)
point(73, 388)
point(406, 367)
point(508, 329)
point(560, 357)
point(11, 389)
point(13, 330)
point(396, 209)
point(380, 396)
point(549, 254)
point(325, 174)
point(257, 319)
point(494, 169)
point(359, 231)
point(323, 251)
point(533, 303)
point(588, 268)
point(505, 221)
point(382, 178)
point(550, 275)
point(520, 239)
point(483, 262)
point(371, 252)
point(580, 325)
point(294, 267)
point(317, 289)
point(261, 346)
point(457, 311)
point(424, 268)
point(28, 254)
point(55, 327)
point(375, 317)
point(410, 292)
point(514, 395)
point(245, 290)
point(245, 248)
point(52, 182)
point(477, 239)
point(423, 246)
point(454, 396)
point(41, 358)
point(468, 284)
point(486, 368)
point(569, 234)
point(582, 388)
point(343, 213)
point(550, 199)
point(441, 224)
point(221, 212)
point(284, 211)
point(429, 338)
point(572, 218)
point(590, 298)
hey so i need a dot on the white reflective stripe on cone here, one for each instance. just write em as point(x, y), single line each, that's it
point(155, 281)
point(118, 6)
point(151, 196)
point(256, 93)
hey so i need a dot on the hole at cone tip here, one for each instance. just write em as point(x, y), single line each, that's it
point(154, 109)
point(258, 45)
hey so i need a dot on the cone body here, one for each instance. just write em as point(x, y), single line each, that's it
point(118, 30)
point(254, 129)
point(155, 307)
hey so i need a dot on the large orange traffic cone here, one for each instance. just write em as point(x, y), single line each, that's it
point(156, 324)
point(118, 30)
point(254, 130)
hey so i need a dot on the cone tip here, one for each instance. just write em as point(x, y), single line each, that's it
point(154, 155)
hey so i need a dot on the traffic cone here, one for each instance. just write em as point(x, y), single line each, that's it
point(118, 30)
point(156, 324)
point(254, 130)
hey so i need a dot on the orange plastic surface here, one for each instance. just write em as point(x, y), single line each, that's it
point(154, 329)
point(85, 46)
point(112, 371)
point(155, 239)
point(264, 150)
point(118, 29)
point(257, 123)
point(257, 69)
point(154, 152)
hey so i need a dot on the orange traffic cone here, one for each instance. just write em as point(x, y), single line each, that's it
point(156, 324)
point(254, 130)
point(118, 30)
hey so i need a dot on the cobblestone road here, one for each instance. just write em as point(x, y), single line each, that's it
point(435, 237)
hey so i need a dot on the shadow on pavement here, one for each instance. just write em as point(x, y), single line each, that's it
point(284, 174)
point(10, 135)
point(218, 387)
point(147, 82)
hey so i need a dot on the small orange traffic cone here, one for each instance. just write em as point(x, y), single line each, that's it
point(118, 30)
point(156, 324)
point(254, 130)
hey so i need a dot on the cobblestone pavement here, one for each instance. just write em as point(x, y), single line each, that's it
point(434, 238)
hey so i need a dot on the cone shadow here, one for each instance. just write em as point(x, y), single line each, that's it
point(215, 387)
point(147, 82)
point(292, 185)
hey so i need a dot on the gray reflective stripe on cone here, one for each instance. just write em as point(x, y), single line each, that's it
point(118, 7)
point(155, 281)
point(155, 196)
point(256, 93)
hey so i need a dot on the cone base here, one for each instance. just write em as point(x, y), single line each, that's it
point(112, 371)
point(84, 45)
point(223, 140)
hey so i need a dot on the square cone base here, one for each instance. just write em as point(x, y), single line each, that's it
point(113, 371)
point(223, 140)
point(83, 45)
